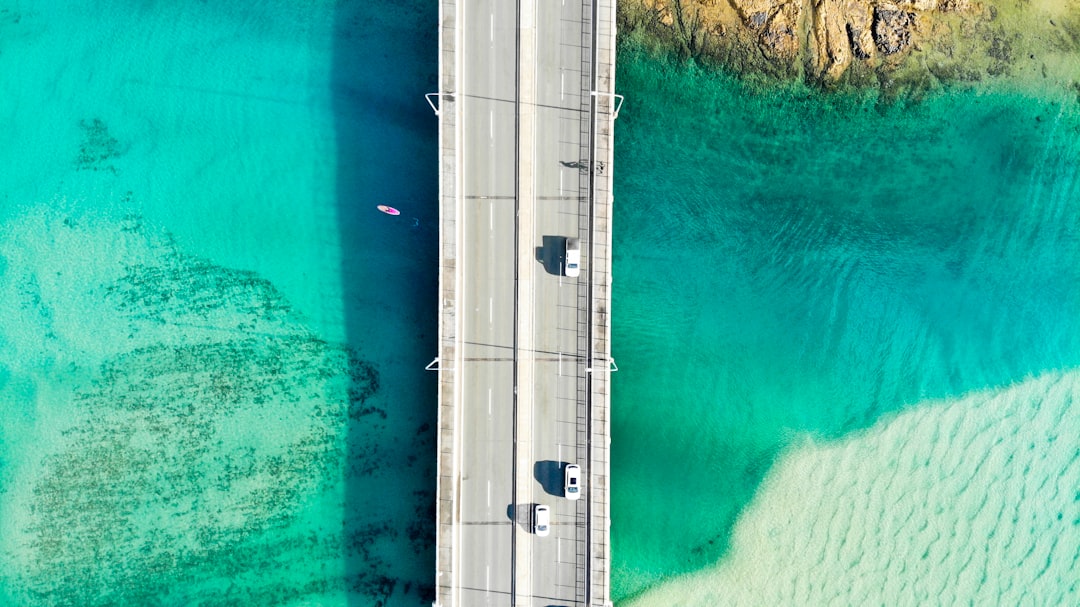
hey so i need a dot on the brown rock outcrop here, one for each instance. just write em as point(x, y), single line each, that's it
point(892, 29)
point(894, 43)
point(819, 37)
point(831, 49)
point(774, 25)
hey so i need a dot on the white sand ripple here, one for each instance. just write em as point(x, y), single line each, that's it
point(972, 501)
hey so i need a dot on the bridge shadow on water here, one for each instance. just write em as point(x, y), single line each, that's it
point(385, 60)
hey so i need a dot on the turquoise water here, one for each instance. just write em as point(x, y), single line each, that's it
point(848, 333)
point(797, 273)
point(211, 345)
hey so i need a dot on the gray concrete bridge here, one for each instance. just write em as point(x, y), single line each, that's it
point(526, 107)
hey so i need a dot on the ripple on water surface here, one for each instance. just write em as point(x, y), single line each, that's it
point(791, 264)
point(967, 501)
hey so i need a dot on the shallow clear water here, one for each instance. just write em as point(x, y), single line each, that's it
point(964, 501)
point(793, 266)
point(212, 344)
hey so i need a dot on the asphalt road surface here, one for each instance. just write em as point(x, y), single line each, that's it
point(523, 114)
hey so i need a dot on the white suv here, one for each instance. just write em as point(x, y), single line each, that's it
point(573, 257)
point(572, 482)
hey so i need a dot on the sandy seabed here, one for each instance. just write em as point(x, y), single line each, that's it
point(966, 501)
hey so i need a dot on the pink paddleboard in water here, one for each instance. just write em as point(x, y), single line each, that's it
point(388, 210)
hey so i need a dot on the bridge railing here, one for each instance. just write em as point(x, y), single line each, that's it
point(446, 107)
point(605, 108)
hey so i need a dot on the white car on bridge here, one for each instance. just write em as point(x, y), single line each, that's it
point(572, 482)
point(573, 257)
point(541, 520)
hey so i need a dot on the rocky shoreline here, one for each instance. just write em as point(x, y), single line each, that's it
point(910, 45)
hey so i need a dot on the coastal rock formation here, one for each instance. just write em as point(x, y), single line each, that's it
point(887, 42)
point(892, 29)
point(820, 38)
point(832, 53)
point(774, 24)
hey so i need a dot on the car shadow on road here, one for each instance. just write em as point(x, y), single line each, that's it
point(549, 474)
point(552, 254)
point(521, 514)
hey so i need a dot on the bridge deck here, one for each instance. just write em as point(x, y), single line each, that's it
point(526, 112)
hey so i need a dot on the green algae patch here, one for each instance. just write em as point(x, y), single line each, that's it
point(183, 458)
point(176, 435)
point(98, 147)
